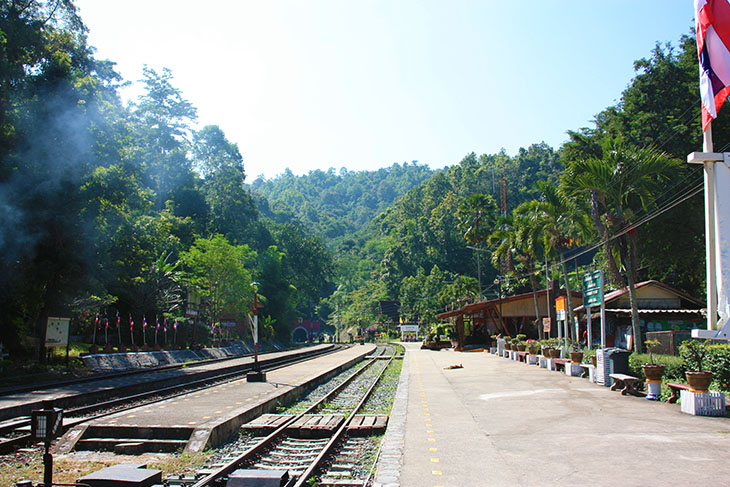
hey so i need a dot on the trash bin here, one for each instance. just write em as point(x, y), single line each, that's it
point(620, 359)
point(611, 361)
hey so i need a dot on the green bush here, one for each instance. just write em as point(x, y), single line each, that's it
point(587, 354)
point(674, 366)
point(718, 362)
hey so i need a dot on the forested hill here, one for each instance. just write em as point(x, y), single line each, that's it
point(334, 204)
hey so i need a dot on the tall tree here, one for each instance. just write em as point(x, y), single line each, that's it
point(624, 182)
point(563, 225)
point(222, 274)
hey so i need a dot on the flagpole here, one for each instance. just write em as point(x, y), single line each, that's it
point(710, 230)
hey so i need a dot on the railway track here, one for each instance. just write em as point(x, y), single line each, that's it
point(302, 459)
point(15, 432)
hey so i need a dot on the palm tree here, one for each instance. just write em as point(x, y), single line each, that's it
point(528, 232)
point(620, 184)
point(562, 225)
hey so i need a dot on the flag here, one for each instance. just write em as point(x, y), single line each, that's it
point(131, 322)
point(164, 325)
point(106, 321)
point(712, 21)
point(157, 321)
point(174, 325)
point(144, 322)
point(97, 323)
point(119, 320)
point(212, 329)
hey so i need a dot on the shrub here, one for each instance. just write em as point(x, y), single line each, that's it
point(587, 354)
point(718, 362)
point(674, 366)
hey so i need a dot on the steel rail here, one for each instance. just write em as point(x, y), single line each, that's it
point(309, 472)
point(265, 442)
point(182, 389)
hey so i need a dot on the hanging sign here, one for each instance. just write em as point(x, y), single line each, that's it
point(546, 325)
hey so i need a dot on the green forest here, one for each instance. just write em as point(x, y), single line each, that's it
point(127, 211)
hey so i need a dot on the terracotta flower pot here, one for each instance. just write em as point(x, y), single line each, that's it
point(699, 381)
point(521, 347)
point(593, 360)
point(546, 351)
point(554, 353)
point(653, 372)
point(534, 350)
point(576, 357)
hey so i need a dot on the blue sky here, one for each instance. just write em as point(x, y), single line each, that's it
point(364, 84)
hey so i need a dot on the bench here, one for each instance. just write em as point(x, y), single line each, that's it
point(628, 382)
point(676, 387)
point(586, 368)
point(560, 363)
point(521, 356)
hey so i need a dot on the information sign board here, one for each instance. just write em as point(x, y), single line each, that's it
point(593, 288)
point(57, 332)
point(546, 325)
point(560, 308)
point(409, 328)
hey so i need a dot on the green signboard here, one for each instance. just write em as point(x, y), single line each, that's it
point(593, 288)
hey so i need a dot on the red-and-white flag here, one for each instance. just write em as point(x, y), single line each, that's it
point(712, 21)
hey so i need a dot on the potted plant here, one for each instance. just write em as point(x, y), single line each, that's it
point(653, 371)
point(533, 346)
point(576, 354)
point(494, 340)
point(554, 351)
point(545, 345)
point(521, 343)
point(693, 352)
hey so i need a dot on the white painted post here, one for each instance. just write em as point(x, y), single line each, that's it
point(589, 328)
point(710, 230)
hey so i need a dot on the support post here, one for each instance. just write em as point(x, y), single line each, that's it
point(589, 329)
point(708, 159)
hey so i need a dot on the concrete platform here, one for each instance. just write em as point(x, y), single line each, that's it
point(501, 422)
point(12, 405)
point(209, 417)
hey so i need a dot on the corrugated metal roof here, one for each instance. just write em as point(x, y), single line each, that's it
point(657, 311)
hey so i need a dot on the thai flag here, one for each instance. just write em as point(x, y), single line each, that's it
point(119, 320)
point(174, 325)
point(712, 21)
point(157, 321)
point(144, 322)
point(97, 323)
point(164, 325)
point(212, 329)
point(131, 322)
point(106, 321)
